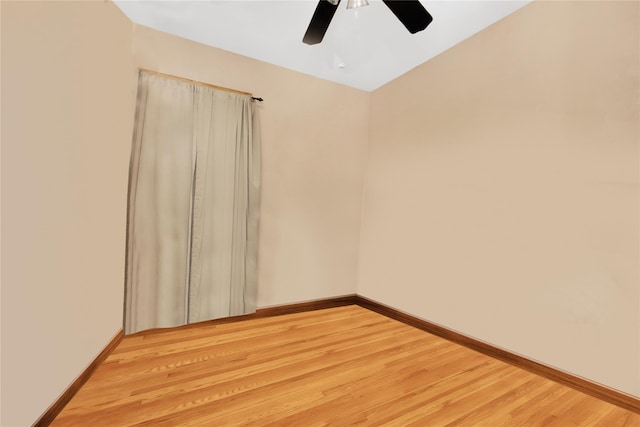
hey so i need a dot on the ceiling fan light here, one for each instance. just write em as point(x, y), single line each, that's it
point(352, 4)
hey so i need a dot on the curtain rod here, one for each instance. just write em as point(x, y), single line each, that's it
point(182, 79)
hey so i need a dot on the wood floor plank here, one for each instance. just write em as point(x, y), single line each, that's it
point(180, 355)
point(340, 366)
point(285, 375)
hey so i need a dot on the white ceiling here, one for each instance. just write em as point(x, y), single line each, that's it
point(363, 48)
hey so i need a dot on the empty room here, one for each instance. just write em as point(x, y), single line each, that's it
point(305, 213)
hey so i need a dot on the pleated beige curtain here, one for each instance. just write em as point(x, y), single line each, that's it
point(194, 189)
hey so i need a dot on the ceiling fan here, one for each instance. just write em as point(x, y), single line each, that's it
point(410, 12)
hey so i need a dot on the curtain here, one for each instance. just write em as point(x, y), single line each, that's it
point(194, 188)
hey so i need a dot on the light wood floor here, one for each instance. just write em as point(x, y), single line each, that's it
point(343, 366)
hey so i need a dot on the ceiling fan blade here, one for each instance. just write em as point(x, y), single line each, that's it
point(411, 13)
point(320, 21)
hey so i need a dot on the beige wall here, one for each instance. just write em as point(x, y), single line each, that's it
point(67, 110)
point(502, 189)
point(314, 136)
